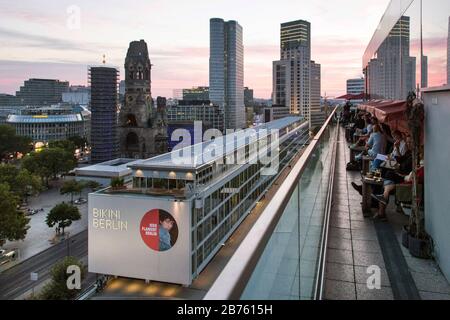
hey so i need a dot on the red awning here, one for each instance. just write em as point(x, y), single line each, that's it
point(361, 96)
point(390, 112)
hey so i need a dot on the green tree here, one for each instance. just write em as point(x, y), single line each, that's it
point(93, 185)
point(11, 144)
point(63, 144)
point(79, 142)
point(27, 184)
point(49, 163)
point(57, 289)
point(21, 182)
point(13, 224)
point(62, 215)
point(72, 187)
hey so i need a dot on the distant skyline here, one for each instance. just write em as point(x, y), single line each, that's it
point(39, 44)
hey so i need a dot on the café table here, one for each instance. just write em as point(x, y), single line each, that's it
point(368, 185)
point(355, 151)
point(390, 165)
point(366, 160)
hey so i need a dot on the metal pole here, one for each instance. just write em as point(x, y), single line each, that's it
point(68, 246)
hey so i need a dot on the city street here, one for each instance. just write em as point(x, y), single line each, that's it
point(39, 235)
point(16, 281)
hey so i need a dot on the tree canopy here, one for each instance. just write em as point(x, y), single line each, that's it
point(62, 215)
point(13, 224)
point(20, 181)
point(72, 187)
point(11, 143)
point(49, 163)
point(57, 289)
point(63, 144)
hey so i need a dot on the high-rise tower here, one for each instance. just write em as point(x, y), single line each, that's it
point(142, 126)
point(104, 135)
point(292, 73)
point(448, 53)
point(392, 74)
point(226, 71)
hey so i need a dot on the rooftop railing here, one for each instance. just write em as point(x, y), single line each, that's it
point(283, 256)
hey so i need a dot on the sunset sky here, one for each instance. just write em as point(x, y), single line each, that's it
point(37, 42)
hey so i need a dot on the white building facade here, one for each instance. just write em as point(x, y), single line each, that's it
point(199, 202)
point(355, 86)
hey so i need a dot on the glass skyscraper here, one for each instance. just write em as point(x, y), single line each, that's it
point(226, 70)
point(391, 75)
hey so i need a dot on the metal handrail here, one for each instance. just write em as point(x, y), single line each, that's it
point(233, 280)
point(320, 281)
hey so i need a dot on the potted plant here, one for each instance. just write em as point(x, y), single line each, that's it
point(117, 184)
point(414, 235)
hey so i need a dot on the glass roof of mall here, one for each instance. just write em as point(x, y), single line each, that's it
point(196, 156)
point(67, 118)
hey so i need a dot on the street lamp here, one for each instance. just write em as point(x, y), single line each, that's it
point(69, 241)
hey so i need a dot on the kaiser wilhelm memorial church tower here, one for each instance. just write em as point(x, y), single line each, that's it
point(142, 127)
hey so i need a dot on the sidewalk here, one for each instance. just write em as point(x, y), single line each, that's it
point(39, 235)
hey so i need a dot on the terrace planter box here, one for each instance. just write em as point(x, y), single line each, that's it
point(419, 248)
point(405, 237)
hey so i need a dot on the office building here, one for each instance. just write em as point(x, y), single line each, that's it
point(5, 111)
point(77, 95)
point(275, 112)
point(292, 73)
point(142, 127)
point(103, 173)
point(42, 92)
point(203, 199)
point(448, 53)
point(212, 116)
point(226, 71)
point(355, 86)
point(51, 123)
point(392, 74)
point(248, 97)
point(424, 72)
point(317, 114)
point(196, 94)
point(122, 87)
point(104, 103)
point(9, 100)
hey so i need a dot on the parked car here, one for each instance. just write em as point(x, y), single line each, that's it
point(80, 201)
point(7, 256)
point(32, 212)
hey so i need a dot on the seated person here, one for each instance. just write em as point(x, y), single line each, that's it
point(389, 187)
point(375, 145)
point(346, 114)
point(367, 132)
point(359, 124)
point(397, 176)
point(367, 129)
point(399, 149)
